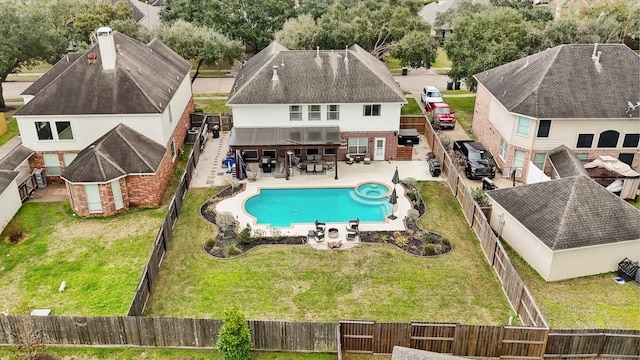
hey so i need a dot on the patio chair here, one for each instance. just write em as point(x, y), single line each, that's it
point(353, 226)
point(310, 168)
point(350, 159)
point(366, 159)
point(251, 176)
point(317, 237)
point(320, 226)
point(319, 168)
point(351, 236)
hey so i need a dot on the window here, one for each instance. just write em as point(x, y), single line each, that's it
point(295, 112)
point(543, 128)
point(631, 140)
point(312, 152)
point(608, 139)
point(93, 198)
point(68, 158)
point(64, 130)
point(503, 150)
point(314, 112)
point(372, 110)
point(333, 112)
point(538, 160)
point(329, 151)
point(173, 150)
point(518, 159)
point(297, 152)
point(523, 125)
point(358, 145)
point(52, 164)
point(269, 153)
point(117, 194)
point(43, 128)
point(170, 115)
point(583, 157)
point(584, 140)
point(626, 158)
point(250, 154)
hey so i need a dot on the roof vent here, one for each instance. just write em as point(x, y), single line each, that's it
point(275, 74)
point(317, 51)
point(595, 56)
point(281, 62)
point(118, 49)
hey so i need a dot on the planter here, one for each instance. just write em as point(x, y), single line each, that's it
point(333, 233)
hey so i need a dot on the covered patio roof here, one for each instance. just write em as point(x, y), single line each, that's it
point(302, 136)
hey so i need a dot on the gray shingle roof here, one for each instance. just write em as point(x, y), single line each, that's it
point(564, 82)
point(6, 177)
point(145, 79)
point(120, 152)
point(570, 213)
point(565, 162)
point(314, 77)
point(13, 159)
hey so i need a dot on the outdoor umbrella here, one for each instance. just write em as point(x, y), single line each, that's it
point(396, 178)
point(393, 200)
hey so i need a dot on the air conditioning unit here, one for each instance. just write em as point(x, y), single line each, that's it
point(41, 179)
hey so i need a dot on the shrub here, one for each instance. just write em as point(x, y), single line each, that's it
point(410, 182)
point(446, 242)
point(397, 234)
point(430, 240)
point(458, 159)
point(480, 196)
point(276, 234)
point(244, 236)
point(402, 241)
point(384, 238)
point(258, 233)
point(225, 220)
point(232, 250)
point(429, 250)
point(234, 338)
point(235, 183)
point(412, 196)
point(209, 244)
point(434, 120)
point(413, 214)
point(15, 233)
point(446, 141)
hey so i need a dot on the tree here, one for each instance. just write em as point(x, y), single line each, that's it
point(234, 338)
point(199, 43)
point(485, 40)
point(415, 49)
point(298, 33)
point(624, 13)
point(27, 36)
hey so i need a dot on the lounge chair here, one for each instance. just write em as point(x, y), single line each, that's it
point(310, 168)
point(251, 176)
point(319, 168)
point(320, 226)
point(353, 226)
point(315, 235)
point(350, 159)
point(351, 236)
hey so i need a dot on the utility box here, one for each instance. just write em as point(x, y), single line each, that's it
point(192, 135)
point(41, 179)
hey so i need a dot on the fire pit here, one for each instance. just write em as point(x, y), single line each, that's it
point(333, 233)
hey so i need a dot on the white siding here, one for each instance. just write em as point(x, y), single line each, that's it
point(351, 117)
point(568, 264)
point(565, 132)
point(502, 120)
point(10, 200)
point(177, 105)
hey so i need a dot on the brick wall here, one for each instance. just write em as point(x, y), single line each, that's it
point(36, 161)
point(391, 143)
point(81, 208)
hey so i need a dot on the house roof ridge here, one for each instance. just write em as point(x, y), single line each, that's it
point(567, 209)
point(135, 150)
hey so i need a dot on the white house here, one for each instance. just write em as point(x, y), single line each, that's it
point(9, 197)
point(586, 97)
point(566, 228)
point(140, 93)
point(324, 103)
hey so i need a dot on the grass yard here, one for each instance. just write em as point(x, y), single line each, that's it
point(442, 61)
point(392, 63)
point(213, 106)
point(211, 95)
point(463, 106)
point(297, 283)
point(584, 303)
point(210, 74)
point(12, 127)
point(101, 260)
point(412, 108)
point(92, 353)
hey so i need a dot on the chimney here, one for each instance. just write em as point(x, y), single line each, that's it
point(107, 48)
point(275, 73)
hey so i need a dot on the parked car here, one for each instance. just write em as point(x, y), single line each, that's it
point(430, 94)
point(479, 162)
point(446, 116)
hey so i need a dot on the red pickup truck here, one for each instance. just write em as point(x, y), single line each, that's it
point(447, 117)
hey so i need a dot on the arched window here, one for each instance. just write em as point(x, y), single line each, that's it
point(608, 139)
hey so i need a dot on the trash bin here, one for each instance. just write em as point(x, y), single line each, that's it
point(216, 131)
point(456, 86)
point(449, 85)
point(404, 71)
point(191, 135)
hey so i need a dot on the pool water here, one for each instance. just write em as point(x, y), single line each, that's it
point(284, 207)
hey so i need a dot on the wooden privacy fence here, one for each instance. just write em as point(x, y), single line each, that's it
point(152, 268)
point(516, 291)
point(166, 332)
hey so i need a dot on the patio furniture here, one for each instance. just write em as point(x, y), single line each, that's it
point(353, 226)
point(316, 236)
point(319, 168)
point(351, 236)
point(350, 159)
point(333, 233)
point(320, 226)
point(310, 168)
point(366, 159)
point(251, 176)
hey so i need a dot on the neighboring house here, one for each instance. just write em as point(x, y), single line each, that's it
point(9, 197)
point(430, 11)
point(566, 228)
point(315, 102)
point(124, 107)
point(576, 95)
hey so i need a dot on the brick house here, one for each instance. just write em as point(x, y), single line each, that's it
point(315, 103)
point(109, 122)
point(579, 95)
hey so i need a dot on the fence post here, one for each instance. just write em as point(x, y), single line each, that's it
point(601, 341)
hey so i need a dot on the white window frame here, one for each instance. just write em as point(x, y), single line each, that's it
point(537, 162)
point(90, 190)
point(524, 124)
point(116, 191)
point(57, 132)
point(370, 110)
point(48, 123)
point(312, 114)
point(53, 166)
point(247, 155)
point(358, 143)
point(504, 147)
point(295, 112)
point(519, 157)
point(333, 112)
point(173, 150)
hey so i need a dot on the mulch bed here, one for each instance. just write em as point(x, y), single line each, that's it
point(414, 240)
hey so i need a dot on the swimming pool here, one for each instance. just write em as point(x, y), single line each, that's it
point(283, 207)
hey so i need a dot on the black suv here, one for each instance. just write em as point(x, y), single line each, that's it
point(480, 163)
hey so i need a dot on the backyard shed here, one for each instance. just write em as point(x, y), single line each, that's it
point(567, 228)
point(9, 197)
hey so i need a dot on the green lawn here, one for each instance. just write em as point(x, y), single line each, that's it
point(412, 108)
point(392, 63)
point(210, 74)
point(12, 128)
point(441, 60)
point(92, 353)
point(297, 283)
point(101, 260)
point(220, 65)
point(463, 106)
point(213, 106)
point(211, 95)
